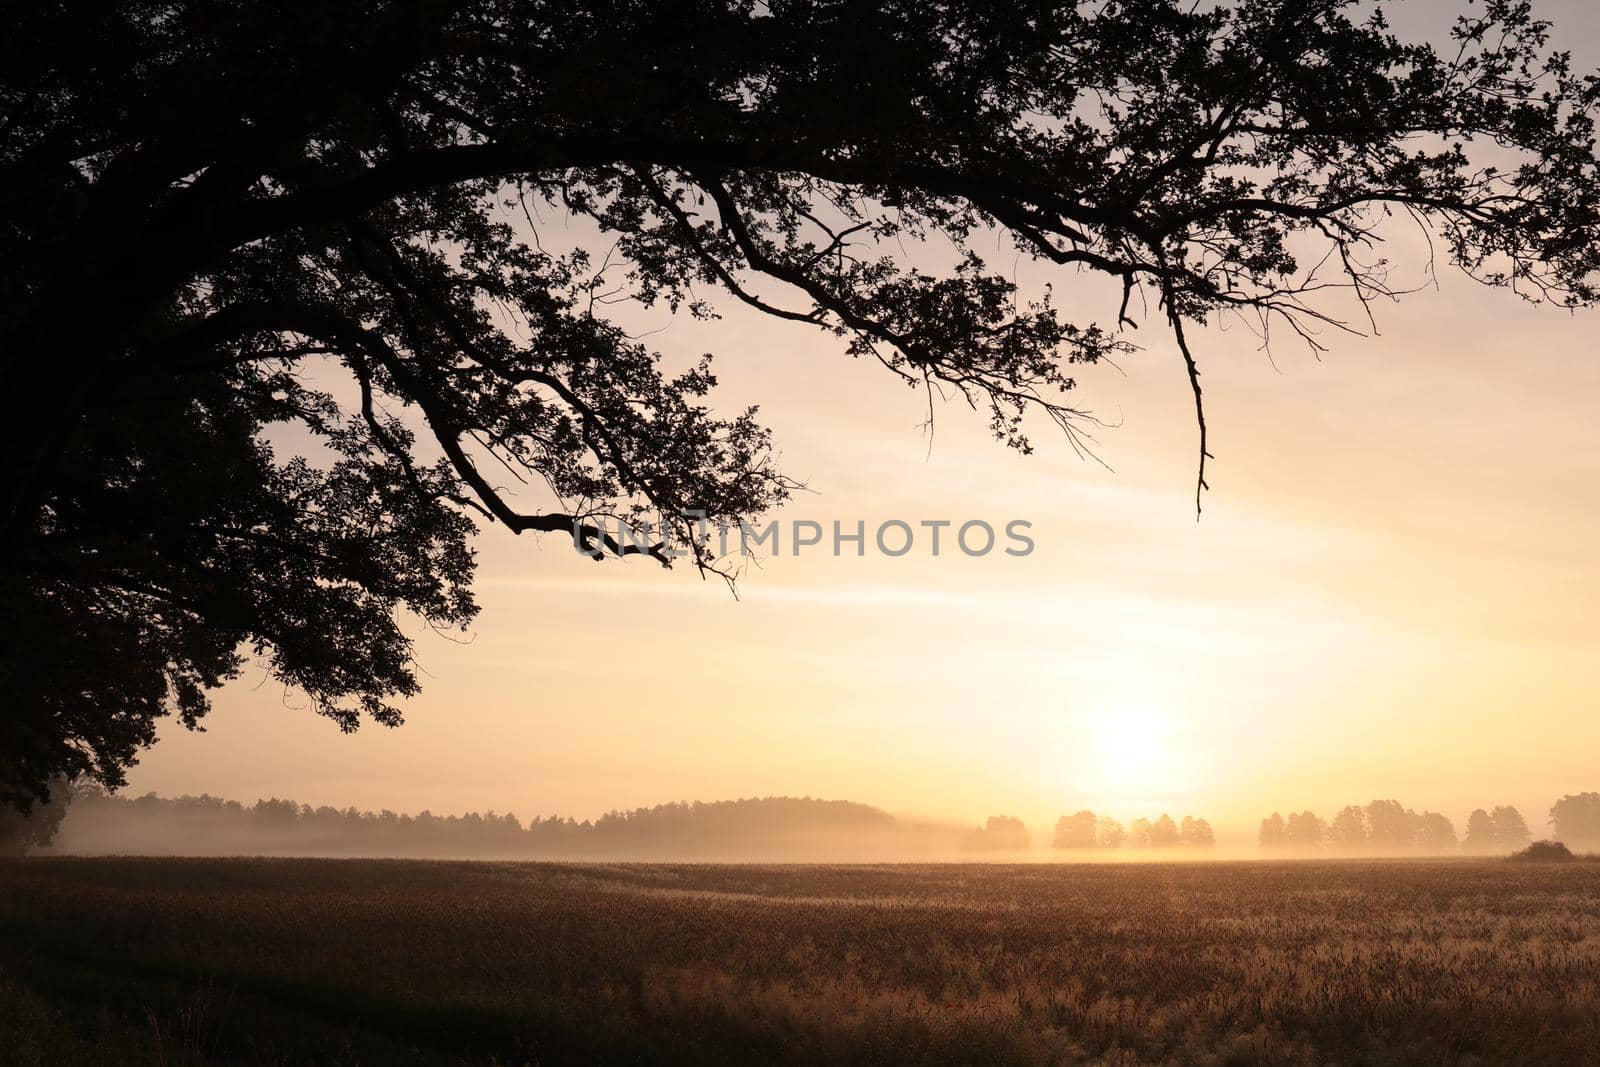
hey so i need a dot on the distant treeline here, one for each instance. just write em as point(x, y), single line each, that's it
point(768, 827)
point(1387, 825)
point(776, 826)
point(1085, 830)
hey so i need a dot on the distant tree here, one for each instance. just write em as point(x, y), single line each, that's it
point(1164, 832)
point(1273, 833)
point(1348, 831)
point(277, 814)
point(1139, 833)
point(317, 221)
point(1482, 835)
point(1076, 831)
point(1001, 833)
point(1196, 833)
point(1389, 824)
point(1435, 832)
point(1576, 820)
point(1510, 828)
point(1110, 832)
point(1304, 831)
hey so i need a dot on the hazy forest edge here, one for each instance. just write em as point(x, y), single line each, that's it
point(93, 822)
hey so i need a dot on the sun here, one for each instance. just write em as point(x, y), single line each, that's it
point(1132, 750)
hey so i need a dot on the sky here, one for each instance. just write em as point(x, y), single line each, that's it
point(1391, 592)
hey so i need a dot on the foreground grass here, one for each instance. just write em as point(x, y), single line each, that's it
point(122, 961)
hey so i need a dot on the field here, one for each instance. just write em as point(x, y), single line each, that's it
point(121, 961)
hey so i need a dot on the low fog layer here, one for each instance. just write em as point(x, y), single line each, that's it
point(86, 821)
point(769, 828)
point(772, 828)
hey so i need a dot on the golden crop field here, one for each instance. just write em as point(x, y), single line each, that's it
point(123, 961)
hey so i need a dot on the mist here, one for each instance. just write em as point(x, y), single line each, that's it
point(769, 829)
point(753, 830)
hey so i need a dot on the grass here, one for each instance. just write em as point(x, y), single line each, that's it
point(125, 961)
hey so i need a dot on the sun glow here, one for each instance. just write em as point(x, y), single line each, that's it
point(1132, 752)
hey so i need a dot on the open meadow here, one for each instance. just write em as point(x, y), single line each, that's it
point(279, 961)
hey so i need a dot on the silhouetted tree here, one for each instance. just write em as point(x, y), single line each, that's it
point(1481, 833)
point(317, 218)
point(1273, 833)
point(1139, 833)
point(1001, 833)
point(1196, 833)
point(1076, 831)
point(1389, 824)
point(1304, 831)
point(1349, 829)
point(1510, 828)
point(1576, 820)
point(1163, 832)
point(1110, 832)
point(1435, 832)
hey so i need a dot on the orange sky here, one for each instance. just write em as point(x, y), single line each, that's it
point(1392, 593)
